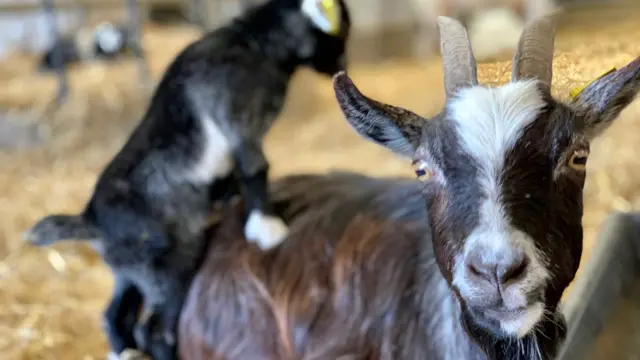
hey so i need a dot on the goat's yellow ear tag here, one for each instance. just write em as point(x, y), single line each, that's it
point(577, 90)
point(331, 10)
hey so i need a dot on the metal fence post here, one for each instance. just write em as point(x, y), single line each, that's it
point(135, 43)
point(58, 62)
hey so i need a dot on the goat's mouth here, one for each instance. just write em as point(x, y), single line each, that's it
point(515, 322)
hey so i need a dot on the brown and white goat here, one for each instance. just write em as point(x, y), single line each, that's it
point(369, 272)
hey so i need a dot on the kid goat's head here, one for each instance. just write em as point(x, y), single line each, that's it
point(331, 24)
point(504, 170)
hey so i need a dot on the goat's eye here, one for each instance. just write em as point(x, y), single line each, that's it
point(422, 170)
point(578, 160)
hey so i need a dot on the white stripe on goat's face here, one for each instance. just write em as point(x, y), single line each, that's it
point(498, 264)
point(490, 121)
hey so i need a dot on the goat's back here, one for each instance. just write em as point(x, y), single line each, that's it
point(343, 285)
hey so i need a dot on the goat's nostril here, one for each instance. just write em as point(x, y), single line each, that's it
point(474, 270)
point(482, 271)
point(499, 271)
point(513, 271)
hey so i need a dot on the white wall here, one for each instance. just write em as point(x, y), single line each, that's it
point(29, 30)
point(368, 15)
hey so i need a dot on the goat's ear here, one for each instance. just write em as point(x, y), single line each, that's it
point(604, 99)
point(395, 128)
point(53, 228)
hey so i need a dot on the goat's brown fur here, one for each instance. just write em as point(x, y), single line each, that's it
point(356, 279)
point(317, 297)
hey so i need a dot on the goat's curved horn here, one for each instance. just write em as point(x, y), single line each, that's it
point(458, 61)
point(534, 55)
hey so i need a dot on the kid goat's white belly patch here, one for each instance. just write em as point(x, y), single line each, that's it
point(215, 160)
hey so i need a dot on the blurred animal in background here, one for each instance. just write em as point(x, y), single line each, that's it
point(104, 42)
point(199, 144)
point(453, 266)
point(494, 26)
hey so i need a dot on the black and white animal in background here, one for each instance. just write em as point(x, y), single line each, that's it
point(200, 141)
point(106, 41)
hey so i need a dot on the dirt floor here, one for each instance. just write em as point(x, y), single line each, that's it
point(51, 299)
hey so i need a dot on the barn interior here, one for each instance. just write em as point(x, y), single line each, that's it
point(51, 300)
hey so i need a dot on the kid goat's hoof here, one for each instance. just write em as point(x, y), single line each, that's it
point(264, 230)
point(131, 354)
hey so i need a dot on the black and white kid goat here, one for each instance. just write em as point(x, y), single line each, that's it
point(199, 142)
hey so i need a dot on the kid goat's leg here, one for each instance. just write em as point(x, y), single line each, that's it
point(165, 347)
point(156, 333)
point(121, 315)
point(149, 332)
point(262, 226)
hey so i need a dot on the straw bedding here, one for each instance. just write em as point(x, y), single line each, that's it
point(51, 299)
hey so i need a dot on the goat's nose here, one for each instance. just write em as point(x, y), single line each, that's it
point(501, 272)
point(513, 270)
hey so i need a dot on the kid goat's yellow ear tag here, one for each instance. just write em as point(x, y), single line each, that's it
point(330, 9)
point(577, 90)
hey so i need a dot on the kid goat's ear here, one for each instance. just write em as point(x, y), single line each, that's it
point(324, 14)
point(604, 99)
point(395, 128)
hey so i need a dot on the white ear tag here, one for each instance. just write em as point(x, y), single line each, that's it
point(325, 14)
